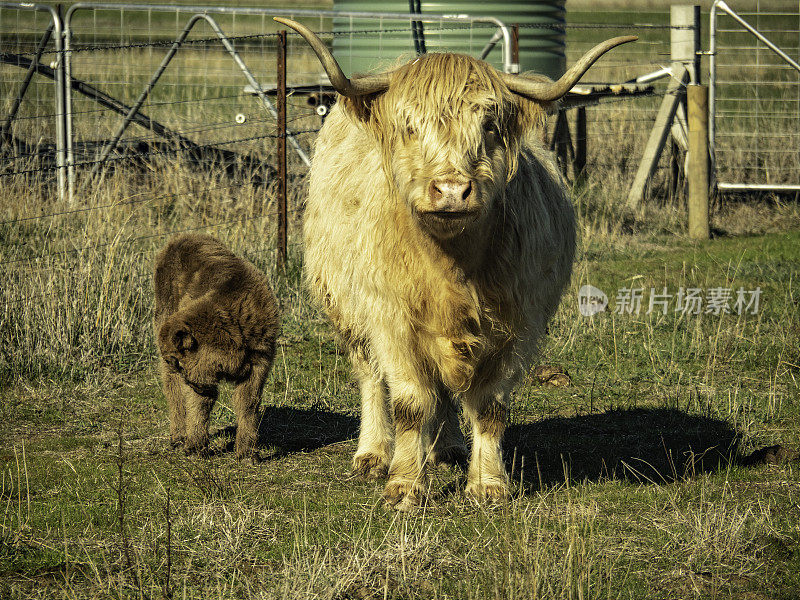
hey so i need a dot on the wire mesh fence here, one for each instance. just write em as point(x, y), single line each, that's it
point(757, 121)
point(617, 129)
point(199, 154)
point(198, 101)
point(32, 106)
point(115, 51)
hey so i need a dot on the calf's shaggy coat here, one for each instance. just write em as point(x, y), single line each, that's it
point(439, 238)
point(216, 319)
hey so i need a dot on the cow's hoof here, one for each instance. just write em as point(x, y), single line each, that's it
point(455, 456)
point(487, 492)
point(404, 495)
point(370, 467)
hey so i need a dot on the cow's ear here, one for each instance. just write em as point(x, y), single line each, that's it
point(526, 123)
point(532, 115)
point(358, 108)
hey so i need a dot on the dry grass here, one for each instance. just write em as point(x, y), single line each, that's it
point(626, 484)
point(298, 527)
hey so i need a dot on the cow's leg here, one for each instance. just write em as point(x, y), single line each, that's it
point(486, 477)
point(176, 405)
point(198, 413)
point(444, 438)
point(374, 452)
point(413, 399)
point(246, 402)
point(413, 405)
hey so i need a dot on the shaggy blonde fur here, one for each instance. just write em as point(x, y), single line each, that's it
point(441, 296)
point(216, 319)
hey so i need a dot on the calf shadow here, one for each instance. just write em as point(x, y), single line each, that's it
point(288, 430)
point(641, 445)
point(302, 430)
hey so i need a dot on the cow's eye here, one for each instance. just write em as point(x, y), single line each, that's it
point(491, 134)
point(410, 131)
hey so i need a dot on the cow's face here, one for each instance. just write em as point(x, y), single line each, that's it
point(449, 126)
point(203, 346)
point(450, 134)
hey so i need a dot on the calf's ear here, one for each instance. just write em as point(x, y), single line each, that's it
point(183, 340)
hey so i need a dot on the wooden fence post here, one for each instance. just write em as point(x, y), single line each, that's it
point(515, 43)
point(281, 107)
point(685, 68)
point(697, 98)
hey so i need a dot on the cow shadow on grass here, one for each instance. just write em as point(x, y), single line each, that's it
point(642, 445)
point(284, 430)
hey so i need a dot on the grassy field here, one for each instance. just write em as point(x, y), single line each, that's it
point(627, 484)
point(636, 481)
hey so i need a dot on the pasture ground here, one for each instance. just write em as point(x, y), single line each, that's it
point(627, 484)
point(630, 483)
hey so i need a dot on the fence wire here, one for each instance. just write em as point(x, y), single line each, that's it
point(208, 165)
point(757, 120)
point(201, 98)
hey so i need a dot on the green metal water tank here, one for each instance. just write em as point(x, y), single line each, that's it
point(541, 47)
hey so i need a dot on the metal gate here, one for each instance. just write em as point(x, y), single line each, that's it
point(31, 45)
point(180, 72)
point(754, 98)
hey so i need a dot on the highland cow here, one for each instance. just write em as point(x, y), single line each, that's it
point(216, 319)
point(439, 237)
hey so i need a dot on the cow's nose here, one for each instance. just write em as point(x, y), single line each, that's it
point(451, 195)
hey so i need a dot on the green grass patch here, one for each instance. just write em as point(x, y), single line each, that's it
point(626, 484)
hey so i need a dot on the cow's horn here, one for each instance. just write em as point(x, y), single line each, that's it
point(360, 86)
point(553, 90)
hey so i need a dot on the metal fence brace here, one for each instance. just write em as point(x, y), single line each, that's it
point(60, 112)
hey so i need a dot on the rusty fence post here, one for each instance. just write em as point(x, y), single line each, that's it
point(281, 106)
point(579, 160)
point(515, 44)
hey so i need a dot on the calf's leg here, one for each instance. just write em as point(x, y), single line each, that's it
point(246, 403)
point(176, 405)
point(198, 413)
